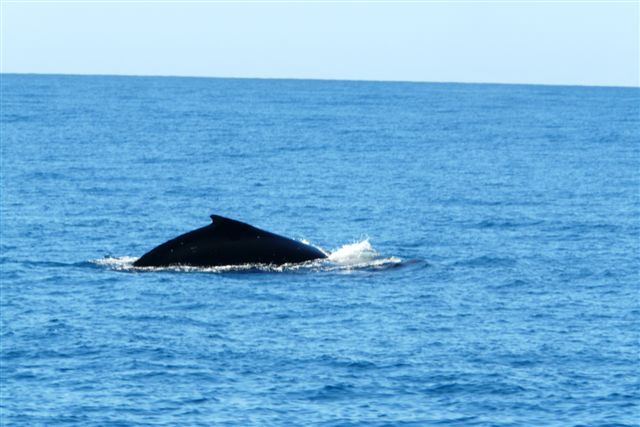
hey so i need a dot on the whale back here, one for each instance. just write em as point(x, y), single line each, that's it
point(228, 242)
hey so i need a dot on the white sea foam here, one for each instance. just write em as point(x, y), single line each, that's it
point(354, 253)
point(348, 257)
point(116, 263)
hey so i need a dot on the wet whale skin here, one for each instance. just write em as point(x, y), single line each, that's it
point(228, 242)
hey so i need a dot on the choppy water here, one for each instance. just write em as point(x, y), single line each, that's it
point(484, 246)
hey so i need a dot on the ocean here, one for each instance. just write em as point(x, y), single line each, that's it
point(484, 247)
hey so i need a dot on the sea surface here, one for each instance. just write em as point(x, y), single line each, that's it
point(484, 247)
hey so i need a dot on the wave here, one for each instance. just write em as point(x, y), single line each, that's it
point(352, 256)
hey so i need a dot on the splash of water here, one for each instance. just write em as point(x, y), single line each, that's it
point(354, 253)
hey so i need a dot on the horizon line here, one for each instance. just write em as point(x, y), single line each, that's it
point(322, 79)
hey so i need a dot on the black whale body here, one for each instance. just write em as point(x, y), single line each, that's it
point(228, 242)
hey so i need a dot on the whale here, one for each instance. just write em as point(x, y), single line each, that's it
point(228, 242)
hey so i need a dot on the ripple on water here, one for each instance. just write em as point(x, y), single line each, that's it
point(499, 287)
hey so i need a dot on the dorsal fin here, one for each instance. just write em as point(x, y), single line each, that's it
point(217, 219)
point(221, 222)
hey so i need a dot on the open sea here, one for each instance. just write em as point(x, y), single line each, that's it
point(484, 249)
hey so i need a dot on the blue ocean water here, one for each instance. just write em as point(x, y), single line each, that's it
point(485, 245)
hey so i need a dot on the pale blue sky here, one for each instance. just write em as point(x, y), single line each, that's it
point(580, 43)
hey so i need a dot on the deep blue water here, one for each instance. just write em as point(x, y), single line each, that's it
point(485, 240)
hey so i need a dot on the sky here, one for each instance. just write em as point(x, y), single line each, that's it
point(539, 42)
